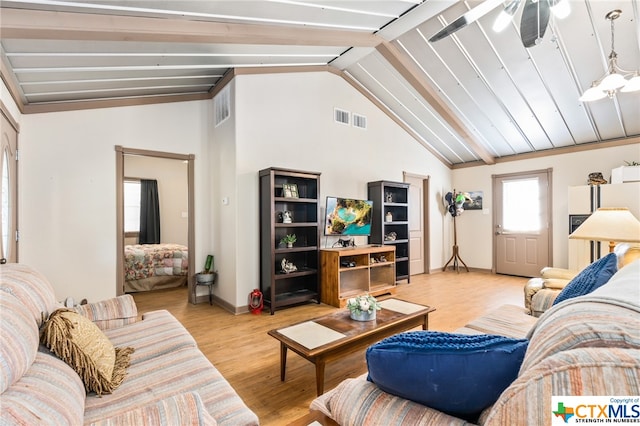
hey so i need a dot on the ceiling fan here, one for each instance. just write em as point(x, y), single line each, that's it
point(533, 24)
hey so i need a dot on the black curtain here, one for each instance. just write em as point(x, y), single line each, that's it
point(149, 212)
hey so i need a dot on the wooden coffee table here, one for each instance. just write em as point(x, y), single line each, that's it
point(333, 336)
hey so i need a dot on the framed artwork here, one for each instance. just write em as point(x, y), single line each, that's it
point(286, 190)
point(476, 201)
point(289, 190)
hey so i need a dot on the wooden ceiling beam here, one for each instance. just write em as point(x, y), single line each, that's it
point(416, 79)
point(42, 24)
point(41, 108)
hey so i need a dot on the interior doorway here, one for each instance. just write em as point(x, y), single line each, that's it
point(522, 222)
point(121, 157)
point(418, 223)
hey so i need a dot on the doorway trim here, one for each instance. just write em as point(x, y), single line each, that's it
point(14, 224)
point(120, 153)
point(426, 179)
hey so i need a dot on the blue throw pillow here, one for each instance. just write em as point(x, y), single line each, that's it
point(590, 278)
point(457, 374)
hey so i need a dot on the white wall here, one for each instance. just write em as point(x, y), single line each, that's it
point(224, 238)
point(286, 120)
point(475, 238)
point(67, 176)
point(67, 186)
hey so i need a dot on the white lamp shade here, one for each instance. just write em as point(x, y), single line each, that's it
point(632, 85)
point(612, 82)
point(609, 224)
point(592, 94)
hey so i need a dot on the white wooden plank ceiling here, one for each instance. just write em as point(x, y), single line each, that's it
point(475, 96)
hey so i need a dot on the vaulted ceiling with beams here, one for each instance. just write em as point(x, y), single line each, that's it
point(474, 97)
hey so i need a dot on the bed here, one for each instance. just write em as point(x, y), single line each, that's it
point(155, 266)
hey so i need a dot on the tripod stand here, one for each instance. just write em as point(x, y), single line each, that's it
point(455, 256)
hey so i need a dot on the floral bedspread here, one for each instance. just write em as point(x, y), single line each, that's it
point(151, 260)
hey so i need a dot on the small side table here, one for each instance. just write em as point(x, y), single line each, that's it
point(206, 279)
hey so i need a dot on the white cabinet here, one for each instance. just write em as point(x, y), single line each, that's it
point(625, 174)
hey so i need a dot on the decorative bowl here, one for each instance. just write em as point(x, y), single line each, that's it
point(363, 316)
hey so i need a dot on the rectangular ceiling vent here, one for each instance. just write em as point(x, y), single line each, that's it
point(341, 116)
point(359, 121)
point(222, 106)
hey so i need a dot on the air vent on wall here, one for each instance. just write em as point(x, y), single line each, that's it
point(359, 121)
point(222, 106)
point(341, 116)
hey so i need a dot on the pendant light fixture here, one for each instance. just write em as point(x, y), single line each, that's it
point(616, 78)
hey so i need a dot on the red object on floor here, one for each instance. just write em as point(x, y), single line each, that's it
point(255, 302)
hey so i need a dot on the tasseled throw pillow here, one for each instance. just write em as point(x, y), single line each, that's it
point(81, 344)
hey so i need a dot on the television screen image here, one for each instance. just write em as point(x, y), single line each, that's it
point(346, 216)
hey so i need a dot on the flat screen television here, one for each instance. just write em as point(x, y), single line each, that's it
point(347, 216)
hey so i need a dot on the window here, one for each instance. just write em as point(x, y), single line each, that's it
point(132, 206)
point(521, 205)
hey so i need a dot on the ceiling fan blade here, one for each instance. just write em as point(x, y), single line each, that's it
point(535, 17)
point(466, 19)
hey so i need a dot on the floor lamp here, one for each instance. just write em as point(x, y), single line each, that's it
point(613, 224)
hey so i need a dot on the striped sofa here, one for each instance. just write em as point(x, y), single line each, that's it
point(168, 382)
point(588, 345)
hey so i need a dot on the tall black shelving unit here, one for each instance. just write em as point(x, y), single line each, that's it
point(390, 225)
point(281, 289)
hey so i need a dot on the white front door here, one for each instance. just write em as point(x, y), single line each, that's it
point(522, 219)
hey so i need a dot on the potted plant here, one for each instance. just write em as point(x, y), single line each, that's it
point(289, 239)
point(207, 276)
point(363, 308)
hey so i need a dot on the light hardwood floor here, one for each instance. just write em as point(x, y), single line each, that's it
point(239, 347)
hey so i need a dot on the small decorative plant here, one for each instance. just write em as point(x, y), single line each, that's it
point(289, 239)
point(365, 303)
point(632, 163)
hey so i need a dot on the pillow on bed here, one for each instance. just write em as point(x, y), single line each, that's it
point(85, 348)
point(457, 374)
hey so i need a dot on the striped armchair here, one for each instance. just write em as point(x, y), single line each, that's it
point(588, 345)
point(540, 293)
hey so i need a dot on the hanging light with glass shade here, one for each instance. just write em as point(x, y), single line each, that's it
point(616, 78)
